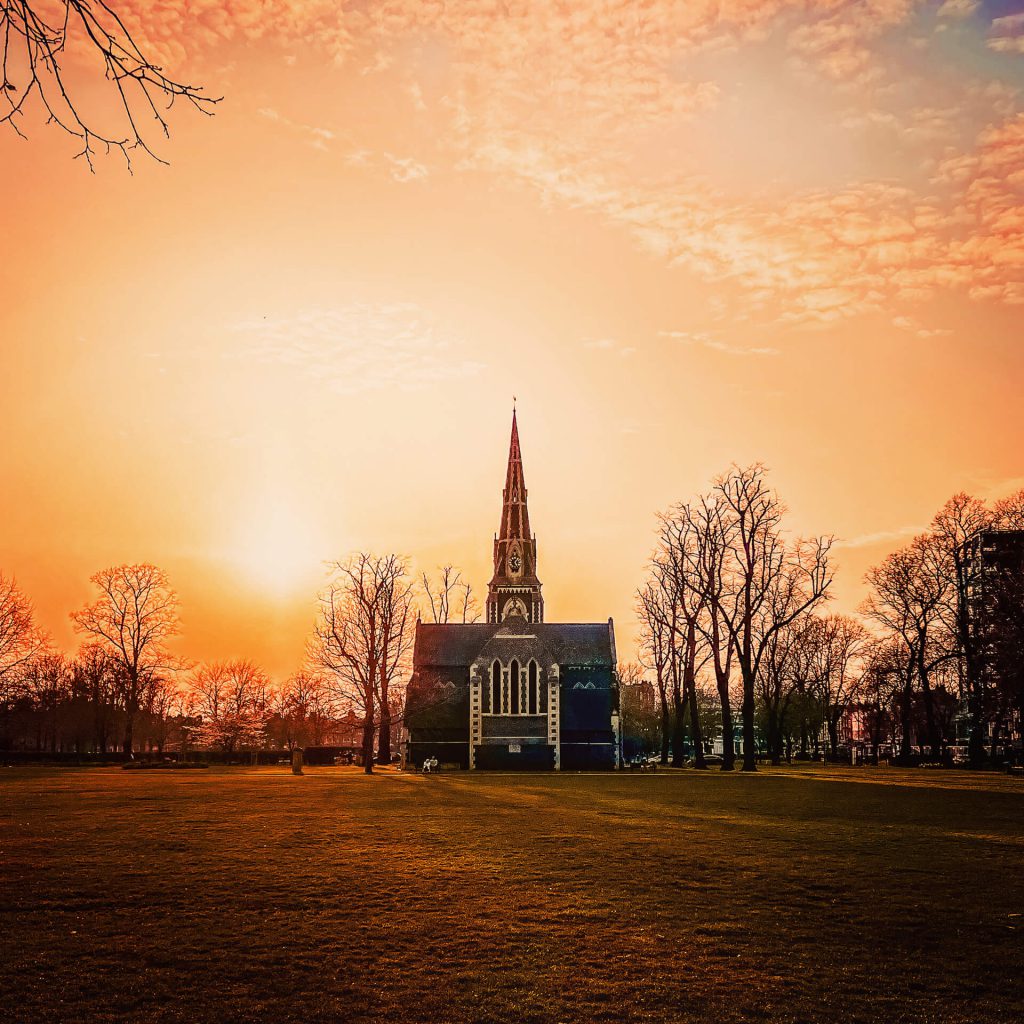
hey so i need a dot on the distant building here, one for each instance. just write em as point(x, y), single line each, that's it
point(647, 696)
point(514, 692)
point(995, 570)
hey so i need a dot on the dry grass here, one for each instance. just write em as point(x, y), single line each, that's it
point(234, 895)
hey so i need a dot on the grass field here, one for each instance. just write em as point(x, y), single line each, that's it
point(238, 895)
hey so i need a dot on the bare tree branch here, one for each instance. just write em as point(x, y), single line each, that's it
point(36, 54)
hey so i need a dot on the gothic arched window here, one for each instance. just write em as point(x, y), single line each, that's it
point(496, 688)
point(513, 678)
point(532, 689)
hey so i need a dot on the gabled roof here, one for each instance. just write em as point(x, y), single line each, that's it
point(458, 644)
point(450, 643)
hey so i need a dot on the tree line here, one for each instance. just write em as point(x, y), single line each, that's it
point(734, 627)
point(736, 642)
point(125, 688)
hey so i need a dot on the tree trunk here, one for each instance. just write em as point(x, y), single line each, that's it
point(997, 731)
point(749, 752)
point(368, 730)
point(905, 703)
point(728, 737)
point(929, 707)
point(775, 734)
point(698, 737)
point(804, 729)
point(678, 730)
point(976, 740)
point(666, 721)
point(384, 736)
point(690, 693)
point(129, 733)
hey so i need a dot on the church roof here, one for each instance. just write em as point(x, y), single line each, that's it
point(570, 643)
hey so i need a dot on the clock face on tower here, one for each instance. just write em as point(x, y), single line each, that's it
point(515, 563)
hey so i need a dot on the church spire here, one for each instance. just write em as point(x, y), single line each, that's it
point(515, 589)
point(515, 516)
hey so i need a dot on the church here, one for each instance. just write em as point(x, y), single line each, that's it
point(514, 692)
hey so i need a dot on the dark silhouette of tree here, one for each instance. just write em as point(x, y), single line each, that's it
point(362, 640)
point(134, 617)
point(304, 714)
point(20, 638)
point(47, 681)
point(839, 643)
point(450, 597)
point(677, 567)
point(41, 41)
point(656, 644)
point(956, 526)
point(711, 577)
point(95, 672)
point(232, 698)
point(768, 583)
point(909, 595)
point(776, 686)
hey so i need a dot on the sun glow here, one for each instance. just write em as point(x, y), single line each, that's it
point(275, 546)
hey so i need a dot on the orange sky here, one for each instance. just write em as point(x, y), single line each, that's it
point(683, 234)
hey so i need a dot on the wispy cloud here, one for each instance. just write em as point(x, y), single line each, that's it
point(400, 169)
point(1007, 34)
point(608, 345)
point(358, 347)
point(318, 138)
point(958, 8)
point(866, 540)
point(707, 341)
point(908, 323)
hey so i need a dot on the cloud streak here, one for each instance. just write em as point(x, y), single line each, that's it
point(356, 348)
point(715, 345)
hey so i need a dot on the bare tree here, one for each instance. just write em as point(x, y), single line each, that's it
point(96, 672)
point(163, 700)
point(768, 583)
point(47, 681)
point(450, 598)
point(36, 48)
point(362, 639)
point(880, 690)
point(666, 606)
point(396, 604)
point(656, 645)
point(776, 686)
point(1008, 512)
point(232, 698)
point(304, 710)
point(21, 640)
point(133, 619)
point(909, 592)
point(678, 568)
point(956, 526)
point(710, 576)
point(839, 644)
